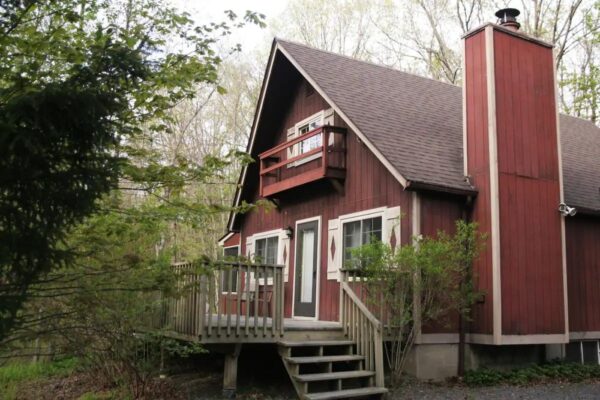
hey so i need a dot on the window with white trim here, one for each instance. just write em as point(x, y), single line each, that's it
point(353, 230)
point(359, 233)
point(265, 250)
point(229, 277)
point(302, 127)
point(270, 247)
point(324, 117)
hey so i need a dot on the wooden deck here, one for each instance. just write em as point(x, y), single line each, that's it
point(235, 303)
point(294, 329)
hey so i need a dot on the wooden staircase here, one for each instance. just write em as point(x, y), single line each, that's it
point(329, 369)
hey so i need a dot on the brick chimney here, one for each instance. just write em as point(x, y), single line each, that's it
point(512, 156)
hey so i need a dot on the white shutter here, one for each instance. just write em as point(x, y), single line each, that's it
point(391, 227)
point(283, 254)
point(334, 249)
point(328, 117)
point(291, 151)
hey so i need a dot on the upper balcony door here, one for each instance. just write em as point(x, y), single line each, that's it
point(306, 269)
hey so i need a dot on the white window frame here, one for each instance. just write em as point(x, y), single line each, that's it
point(344, 221)
point(283, 243)
point(236, 283)
point(325, 117)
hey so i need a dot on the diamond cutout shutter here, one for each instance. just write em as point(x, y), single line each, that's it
point(334, 249)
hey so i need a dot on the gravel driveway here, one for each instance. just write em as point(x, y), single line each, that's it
point(555, 391)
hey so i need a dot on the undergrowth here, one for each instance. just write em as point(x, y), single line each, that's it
point(548, 372)
point(15, 373)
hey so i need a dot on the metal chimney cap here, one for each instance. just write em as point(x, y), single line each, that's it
point(508, 17)
point(508, 14)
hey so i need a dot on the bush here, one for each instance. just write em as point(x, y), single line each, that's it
point(554, 371)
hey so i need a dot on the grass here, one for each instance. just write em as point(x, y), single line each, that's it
point(15, 373)
point(549, 372)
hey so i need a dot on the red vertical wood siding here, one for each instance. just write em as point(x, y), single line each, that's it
point(529, 188)
point(583, 273)
point(368, 185)
point(440, 213)
point(234, 240)
point(479, 169)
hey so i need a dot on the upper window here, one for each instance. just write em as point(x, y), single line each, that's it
point(358, 233)
point(265, 250)
point(302, 127)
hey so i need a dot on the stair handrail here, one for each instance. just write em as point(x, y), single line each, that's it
point(362, 327)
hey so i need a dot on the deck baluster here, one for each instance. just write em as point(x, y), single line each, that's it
point(238, 295)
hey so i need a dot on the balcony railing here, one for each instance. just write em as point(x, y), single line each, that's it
point(297, 162)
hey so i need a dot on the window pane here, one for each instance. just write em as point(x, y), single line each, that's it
point(351, 238)
point(260, 250)
point(230, 252)
point(226, 280)
point(271, 254)
point(371, 229)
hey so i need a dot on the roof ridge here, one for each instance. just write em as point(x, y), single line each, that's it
point(280, 40)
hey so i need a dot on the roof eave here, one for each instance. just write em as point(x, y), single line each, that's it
point(416, 185)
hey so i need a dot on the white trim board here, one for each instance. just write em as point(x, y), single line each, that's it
point(481, 338)
point(563, 237)
point(318, 267)
point(225, 238)
point(593, 335)
point(494, 186)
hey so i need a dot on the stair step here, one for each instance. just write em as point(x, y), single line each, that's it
point(345, 394)
point(317, 343)
point(333, 375)
point(321, 359)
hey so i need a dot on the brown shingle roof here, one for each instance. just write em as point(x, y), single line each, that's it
point(416, 123)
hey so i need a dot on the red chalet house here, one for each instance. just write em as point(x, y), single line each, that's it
point(344, 147)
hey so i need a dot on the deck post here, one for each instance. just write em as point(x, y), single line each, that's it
point(230, 372)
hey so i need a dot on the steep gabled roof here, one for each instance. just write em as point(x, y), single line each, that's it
point(414, 124)
point(410, 119)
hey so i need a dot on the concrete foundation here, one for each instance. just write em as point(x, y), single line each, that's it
point(440, 361)
point(503, 357)
point(433, 361)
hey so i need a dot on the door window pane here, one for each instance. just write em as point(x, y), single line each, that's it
point(308, 253)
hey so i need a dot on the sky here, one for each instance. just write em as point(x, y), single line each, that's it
point(249, 37)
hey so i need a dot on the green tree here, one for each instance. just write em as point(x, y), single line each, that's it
point(419, 284)
point(82, 84)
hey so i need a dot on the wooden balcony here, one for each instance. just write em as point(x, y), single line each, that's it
point(315, 155)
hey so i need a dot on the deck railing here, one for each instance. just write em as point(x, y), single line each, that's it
point(361, 326)
point(224, 301)
point(281, 168)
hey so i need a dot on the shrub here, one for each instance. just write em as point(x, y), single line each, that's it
point(553, 371)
